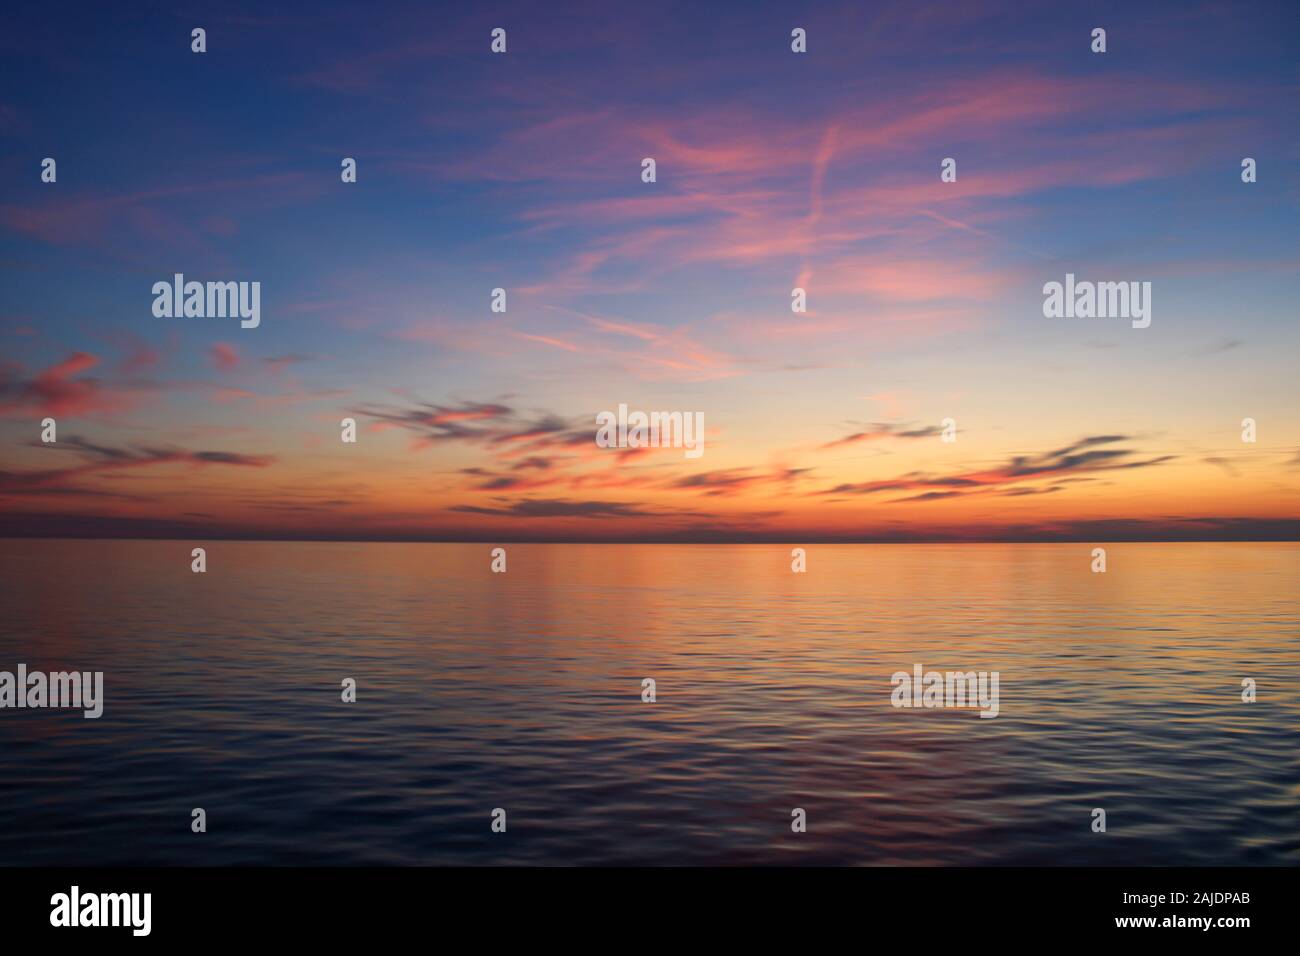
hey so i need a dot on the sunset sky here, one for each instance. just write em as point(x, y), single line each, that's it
point(774, 170)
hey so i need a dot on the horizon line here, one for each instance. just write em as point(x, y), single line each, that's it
point(759, 540)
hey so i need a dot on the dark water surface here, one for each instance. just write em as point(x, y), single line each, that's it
point(523, 691)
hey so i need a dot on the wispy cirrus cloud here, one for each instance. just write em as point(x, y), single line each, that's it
point(559, 508)
point(100, 461)
point(486, 423)
point(62, 389)
point(1087, 455)
point(738, 480)
point(878, 431)
point(224, 356)
point(151, 217)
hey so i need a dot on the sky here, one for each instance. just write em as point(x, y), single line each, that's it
point(774, 170)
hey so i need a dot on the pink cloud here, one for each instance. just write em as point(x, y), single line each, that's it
point(224, 356)
point(59, 390)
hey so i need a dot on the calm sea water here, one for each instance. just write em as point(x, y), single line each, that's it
point(523, 691)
